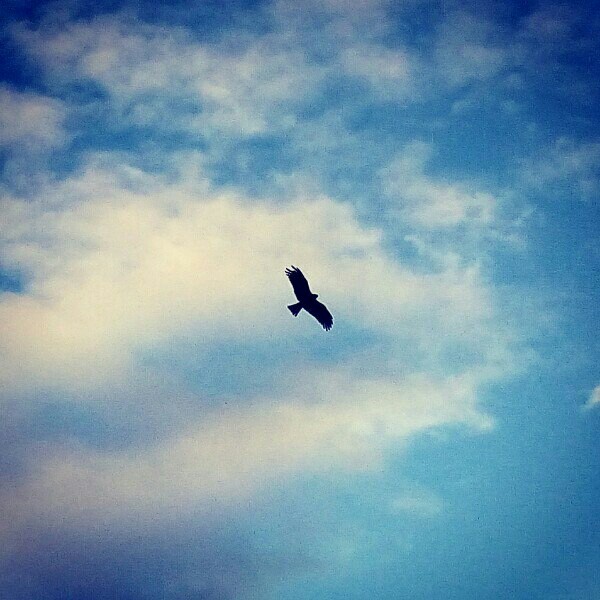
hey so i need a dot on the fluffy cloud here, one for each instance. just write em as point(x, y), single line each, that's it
point(117, 261)
point(250, 87)
point(230, 86)
point(134, 279)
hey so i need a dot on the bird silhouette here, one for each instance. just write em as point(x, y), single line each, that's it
point(307, 300)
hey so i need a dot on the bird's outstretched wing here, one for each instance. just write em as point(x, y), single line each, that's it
point(299, 283)
point(320, 313)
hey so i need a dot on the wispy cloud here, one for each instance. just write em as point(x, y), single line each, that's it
point(572, 166)
point(30, 121)
point(594, 399)
point(418, 502)
point(118, 261)
point(434, 204)
point(245, 88)
point(345, 424)
point(469, 48)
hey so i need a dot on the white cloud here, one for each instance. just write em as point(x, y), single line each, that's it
point(433, 203)
point(346, 423)
point(550, 28)
point(468, 49)
point(389, 72)
point(594, 399)
point(161, 77)
point(236, 86)
point(117, 259)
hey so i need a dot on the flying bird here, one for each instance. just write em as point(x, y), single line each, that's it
point(307, 300)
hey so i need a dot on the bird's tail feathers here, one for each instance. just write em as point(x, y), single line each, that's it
point(295, 308)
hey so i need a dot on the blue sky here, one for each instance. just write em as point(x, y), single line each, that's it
point(169, 430)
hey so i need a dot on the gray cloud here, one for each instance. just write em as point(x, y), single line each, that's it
point(30, 122)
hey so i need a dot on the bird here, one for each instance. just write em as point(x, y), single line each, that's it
point(307, 300)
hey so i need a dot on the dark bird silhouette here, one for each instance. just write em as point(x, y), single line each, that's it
point(307, 300)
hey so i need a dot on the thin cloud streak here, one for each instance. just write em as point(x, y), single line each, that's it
point(347, 425)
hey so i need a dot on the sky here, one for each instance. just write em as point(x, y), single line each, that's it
point(169, 430)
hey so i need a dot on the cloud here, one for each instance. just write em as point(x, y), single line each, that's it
point(253, 86)
point(118, 262)
point(418, 502)
point(346, 423)
point(231, 86)
point(550, 23)
point(469, 48)
point(390, 73)
point(594, 399)
point(30, 121)
point(116, 259)
point(434, 204)
point(143, 269)
point(573, 167)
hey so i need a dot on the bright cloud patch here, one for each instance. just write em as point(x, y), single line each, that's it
point(570, 166)
point(346, 424)
point(116, 261)
point(242, 89)
point(112, 266)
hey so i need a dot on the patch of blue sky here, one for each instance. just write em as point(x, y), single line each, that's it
point(10, 282)
point(208, 17)
point(252, 164)
point(17, 70)
point(105, 133)
point(505, 528)
point(364, 546)
point(57, 419)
